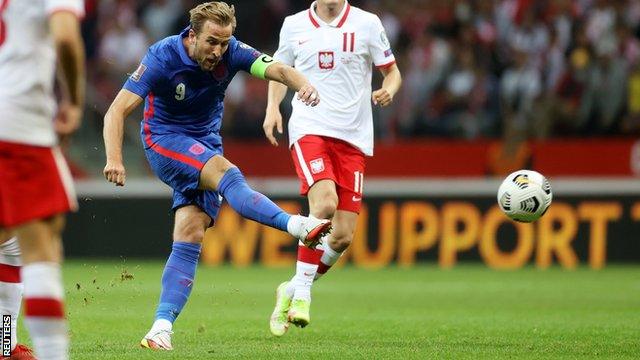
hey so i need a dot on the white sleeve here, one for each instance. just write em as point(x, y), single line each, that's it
point(284, 54)
point(74, 6)
point(379, 46)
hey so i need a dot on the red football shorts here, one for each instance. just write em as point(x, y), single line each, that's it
point(35, 183)
point(319, 158)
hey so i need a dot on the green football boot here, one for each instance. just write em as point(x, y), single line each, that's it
point(299, 312)
point(278, 324)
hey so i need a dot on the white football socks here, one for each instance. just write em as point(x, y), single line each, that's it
point(306, 267)
point(303, 279)
point(44, 310)
point(10, 285)
point(327, 260)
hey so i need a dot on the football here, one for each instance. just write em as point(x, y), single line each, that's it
point(525, 195)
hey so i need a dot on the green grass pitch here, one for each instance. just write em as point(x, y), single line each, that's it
point(419, 313)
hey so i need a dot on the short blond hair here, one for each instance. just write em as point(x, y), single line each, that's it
point(219, 12)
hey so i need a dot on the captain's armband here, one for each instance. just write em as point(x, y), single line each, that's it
point(259, 67)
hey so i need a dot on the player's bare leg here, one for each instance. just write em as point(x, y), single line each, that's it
point(220, 175)
point(178, 276)
point(41, 245)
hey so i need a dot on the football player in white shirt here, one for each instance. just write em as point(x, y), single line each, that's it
point(36, 188)
point(334, 45)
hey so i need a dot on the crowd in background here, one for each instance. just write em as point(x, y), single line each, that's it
point(523, 67)
point(517, 69)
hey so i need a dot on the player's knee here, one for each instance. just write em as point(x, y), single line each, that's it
point(326, 207)
point(213, 171)
point(191, 233)
point(190, 224)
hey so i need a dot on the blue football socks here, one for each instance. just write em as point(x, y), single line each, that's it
point(249, 203)
point(177, 280)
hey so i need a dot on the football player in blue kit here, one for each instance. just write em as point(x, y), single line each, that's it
point(182, 80)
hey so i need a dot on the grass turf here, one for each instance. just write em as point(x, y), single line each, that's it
point(423, 312)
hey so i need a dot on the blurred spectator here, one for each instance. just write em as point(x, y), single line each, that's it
point(158, 18)
point(429, 60)
point(600, 21)
point(530, 37)
point(467, 92)
point(631, 123)
point(629, 45)
point(553, 62)
point(606, 92)
point(520, 89)
point(123, 43)
point(567, 111)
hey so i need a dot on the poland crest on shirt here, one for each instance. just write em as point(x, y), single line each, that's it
point(337, 59)
point(325, 59)
point(317, 166)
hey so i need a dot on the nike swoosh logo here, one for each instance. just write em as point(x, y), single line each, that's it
point(307, 274)
point(354, 198)
point(300, 42)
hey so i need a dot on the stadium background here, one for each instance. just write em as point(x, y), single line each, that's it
point(489, 87)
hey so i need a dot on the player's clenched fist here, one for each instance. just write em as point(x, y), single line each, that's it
point(115, 173)
point(309, 95)
point(382, 97)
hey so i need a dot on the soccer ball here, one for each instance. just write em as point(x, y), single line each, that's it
point(525, 195)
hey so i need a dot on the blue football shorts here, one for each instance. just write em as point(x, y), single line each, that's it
point(177, 160)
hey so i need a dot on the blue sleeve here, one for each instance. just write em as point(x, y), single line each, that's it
point(242, 55)
point(146, 76)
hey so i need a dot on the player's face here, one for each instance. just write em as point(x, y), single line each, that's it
point(208, 47)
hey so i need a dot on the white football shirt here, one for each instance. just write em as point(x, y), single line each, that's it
point(336, 58)
point(27, 69)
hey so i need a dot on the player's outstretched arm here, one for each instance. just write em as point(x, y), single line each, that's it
point(65, 31)
point(390, 86)
point(113, 132)
point(294, 80)
point(273, 117)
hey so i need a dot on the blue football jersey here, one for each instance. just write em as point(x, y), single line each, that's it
point(180, 96)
